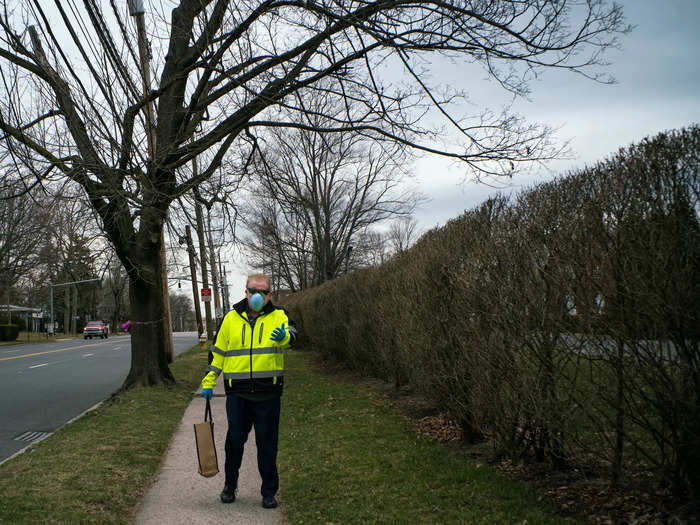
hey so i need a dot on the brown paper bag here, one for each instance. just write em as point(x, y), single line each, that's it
point(206, 450)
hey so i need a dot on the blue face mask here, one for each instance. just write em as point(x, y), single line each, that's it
point(256, 302)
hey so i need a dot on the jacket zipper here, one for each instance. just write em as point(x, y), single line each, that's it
point(230, 381)
point(252, 341)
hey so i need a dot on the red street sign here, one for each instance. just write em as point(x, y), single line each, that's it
point(206, 294)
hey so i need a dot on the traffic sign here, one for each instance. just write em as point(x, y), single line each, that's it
point(206, 294)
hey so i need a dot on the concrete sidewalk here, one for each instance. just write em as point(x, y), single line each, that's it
point(180, 495)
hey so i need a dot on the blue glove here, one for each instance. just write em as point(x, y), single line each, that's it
point(207, 393)
point(279, 333)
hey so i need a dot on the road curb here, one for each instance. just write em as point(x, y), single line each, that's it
point(70, 421)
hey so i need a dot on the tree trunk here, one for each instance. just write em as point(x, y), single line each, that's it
point(149, 362)
point(66, 311)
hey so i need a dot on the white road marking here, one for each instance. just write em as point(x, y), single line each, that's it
point(24, 356)
point(37, 366)
point(12, 351)
point(88, 355)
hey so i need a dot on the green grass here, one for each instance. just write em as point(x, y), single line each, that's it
point(345, 457)
point(97, 469)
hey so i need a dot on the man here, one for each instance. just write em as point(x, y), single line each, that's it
point(248, 350)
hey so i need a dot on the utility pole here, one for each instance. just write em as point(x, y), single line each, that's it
point(214, 271)
point(193, 273)
point(53, 327)
point(224, 287)
point(203, 256)
point(137, 10)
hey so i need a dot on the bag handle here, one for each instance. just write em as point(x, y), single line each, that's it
point(207, 412)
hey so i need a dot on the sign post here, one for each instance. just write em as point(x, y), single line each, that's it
point(206, 295)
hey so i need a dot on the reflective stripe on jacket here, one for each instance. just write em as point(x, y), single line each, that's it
point(249, 360)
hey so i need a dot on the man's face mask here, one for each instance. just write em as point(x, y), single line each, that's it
point(256, 302)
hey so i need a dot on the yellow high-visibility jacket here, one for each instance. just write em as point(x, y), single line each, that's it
point(249, 360)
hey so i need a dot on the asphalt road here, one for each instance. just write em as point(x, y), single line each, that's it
point(45, 385)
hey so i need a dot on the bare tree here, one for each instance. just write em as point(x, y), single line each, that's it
point(182, 312)
point(60, 242)
point(402, 234)
point(317, 192)
point(279, 244)
point(116, 298)
point(73, 251)
point(372, 249)
point(72, 107)
point(22, 223)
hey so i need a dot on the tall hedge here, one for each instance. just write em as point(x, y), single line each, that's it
point(561, 324)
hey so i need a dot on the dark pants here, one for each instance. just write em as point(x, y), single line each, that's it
point(265, 417)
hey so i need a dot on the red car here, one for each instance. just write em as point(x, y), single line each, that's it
point(96, 329)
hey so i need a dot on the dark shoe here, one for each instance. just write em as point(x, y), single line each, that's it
point(269, 502)
point(228, 495)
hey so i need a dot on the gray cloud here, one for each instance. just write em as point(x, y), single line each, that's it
point(657, 71)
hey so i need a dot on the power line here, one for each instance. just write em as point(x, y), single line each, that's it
point(57, 47)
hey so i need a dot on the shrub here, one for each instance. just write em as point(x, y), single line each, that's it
point(561, 324)
point(9, 332)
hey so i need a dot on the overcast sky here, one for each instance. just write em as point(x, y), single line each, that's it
point(658, 88)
